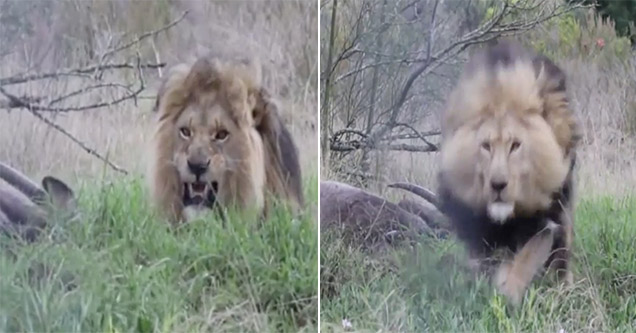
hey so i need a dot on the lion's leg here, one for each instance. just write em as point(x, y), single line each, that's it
point(559, 261)
point(513, 277)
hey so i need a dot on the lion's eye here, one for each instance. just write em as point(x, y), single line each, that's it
point(515, 146)
point(221, 135)
point(486, 146)
point(185, 132)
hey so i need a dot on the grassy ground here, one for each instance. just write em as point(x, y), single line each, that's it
point(119, 269)
point(426, 288)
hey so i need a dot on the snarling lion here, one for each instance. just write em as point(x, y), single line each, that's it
point(220, 141)
point(507, 160)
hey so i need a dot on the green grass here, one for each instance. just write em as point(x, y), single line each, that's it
point(119, 269)
point(426, 289)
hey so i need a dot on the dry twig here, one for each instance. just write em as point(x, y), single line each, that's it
point(381, 133)
point(35, 105)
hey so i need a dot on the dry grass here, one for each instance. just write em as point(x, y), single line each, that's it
point(282, 34)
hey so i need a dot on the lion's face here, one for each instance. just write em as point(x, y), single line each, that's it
point(204, 136)
point(502, 162)
point(219, 139)
point(508, 135)
point(506, 165)
point(209, 128)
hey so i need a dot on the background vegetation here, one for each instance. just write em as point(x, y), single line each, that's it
point(385, 79)
point(428, 289)
point(118, 267)
point(43, 36)
point(623, 13)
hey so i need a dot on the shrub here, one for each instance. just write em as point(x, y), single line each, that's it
point(622, 12)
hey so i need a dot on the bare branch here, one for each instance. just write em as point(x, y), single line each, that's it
point(407, 147)
point(489, 31)
point(357, 145)
point(16, 102)
point(87, 89)
point(411, 136)
point(85, 147)
point(23, 78)
point(144, 36)
point(431, 29)
point(36, 105)
point(344, 131)
point(421, 137)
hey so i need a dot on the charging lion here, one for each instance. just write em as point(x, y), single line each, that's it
point(220, 141)
point(507, 161)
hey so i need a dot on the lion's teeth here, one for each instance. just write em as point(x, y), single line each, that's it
point(198, 188)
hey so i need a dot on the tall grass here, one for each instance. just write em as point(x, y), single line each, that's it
point(427, 289)
point(117, 267)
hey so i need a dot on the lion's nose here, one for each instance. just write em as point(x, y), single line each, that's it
point(498, 185)
point(198, 168)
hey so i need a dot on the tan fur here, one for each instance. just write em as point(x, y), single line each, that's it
point(562, 254)
point(511, 125)
point(213, 96)
point(511, 106)
point(533, 172)
point(513, 277)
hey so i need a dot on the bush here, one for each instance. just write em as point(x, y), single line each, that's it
point(622, 12)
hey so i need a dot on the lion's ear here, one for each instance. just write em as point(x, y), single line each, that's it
point(267, 120)
point(265, 114)
point(552, 83)
point(550, 76)
point(281, 151)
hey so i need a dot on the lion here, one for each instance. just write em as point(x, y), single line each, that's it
point(508, 153)
point(220, 141)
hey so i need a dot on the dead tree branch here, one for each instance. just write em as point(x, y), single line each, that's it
point(408, 66)
point(491, 30)
point(23, 103)
point(85, 147)
point(144, 36)
point(340, 144)
point(92, 79)
point(89, 70)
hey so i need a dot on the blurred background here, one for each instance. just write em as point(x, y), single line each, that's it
point(59, 59)
point(389, 66)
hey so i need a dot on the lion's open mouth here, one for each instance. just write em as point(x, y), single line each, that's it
point(200, 193)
